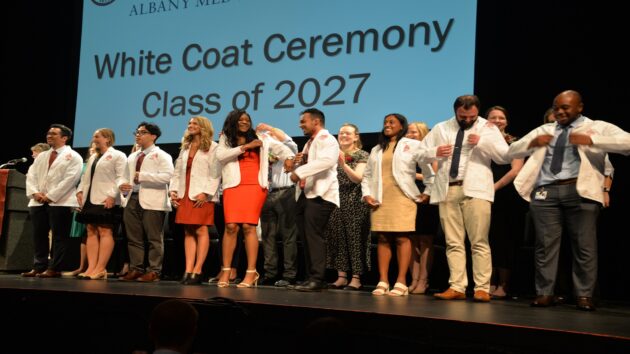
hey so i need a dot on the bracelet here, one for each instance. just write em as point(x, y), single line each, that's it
point(606, 189)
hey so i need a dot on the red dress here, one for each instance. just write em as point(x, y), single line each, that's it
point(187, 214)
point(243, 203)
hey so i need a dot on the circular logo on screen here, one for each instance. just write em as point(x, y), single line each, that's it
point(102, 2)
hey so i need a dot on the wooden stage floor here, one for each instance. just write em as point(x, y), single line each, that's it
point(271, 315)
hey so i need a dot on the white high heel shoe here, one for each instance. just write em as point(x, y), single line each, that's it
point(249, 285)
point(225, 284)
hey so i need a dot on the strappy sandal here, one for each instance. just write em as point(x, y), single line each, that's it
point(399, 289)
point(382, 288)
point(334, 286)
point(249, 285)
point(224, 284)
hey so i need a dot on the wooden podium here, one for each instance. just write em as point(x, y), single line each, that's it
point(16, 240)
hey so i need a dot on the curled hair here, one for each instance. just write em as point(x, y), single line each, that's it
point(207, 132)
point(40, 147)
point(230, 128)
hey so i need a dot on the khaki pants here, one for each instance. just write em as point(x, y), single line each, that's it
point(461, 215)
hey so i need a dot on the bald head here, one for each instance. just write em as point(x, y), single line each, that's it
point(567, 107)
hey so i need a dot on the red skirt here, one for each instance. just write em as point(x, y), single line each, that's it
point(243, 203)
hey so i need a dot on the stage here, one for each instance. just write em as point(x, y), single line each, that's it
point(70, 315)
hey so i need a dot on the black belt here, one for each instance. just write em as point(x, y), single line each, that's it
point(273, 189)
point(456, 183)
point(561, 182)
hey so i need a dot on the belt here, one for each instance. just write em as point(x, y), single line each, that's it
point(456, 183)
point(561, 182)
point(273, 189)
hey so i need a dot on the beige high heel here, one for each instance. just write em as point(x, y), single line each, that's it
point(98, 276)
point(225, 284)
point(254, 283)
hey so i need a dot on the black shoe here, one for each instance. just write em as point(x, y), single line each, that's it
point(292, 286)
point(193, 279)
point(185, 277)
point(283, 283)
point(352, 288)
point(311, 286)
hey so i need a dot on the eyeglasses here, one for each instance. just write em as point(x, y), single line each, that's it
point(140, 132)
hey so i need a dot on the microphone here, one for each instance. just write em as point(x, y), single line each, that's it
point(14, 161)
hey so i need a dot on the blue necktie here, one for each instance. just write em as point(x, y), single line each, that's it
point(458, 149)
point(558, 151)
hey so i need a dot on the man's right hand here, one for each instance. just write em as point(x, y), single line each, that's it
point(541, 140)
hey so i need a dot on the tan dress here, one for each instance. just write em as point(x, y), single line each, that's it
point(397, 213)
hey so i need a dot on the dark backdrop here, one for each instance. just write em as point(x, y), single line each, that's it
point(527, 52)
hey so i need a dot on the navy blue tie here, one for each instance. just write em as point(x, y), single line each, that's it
point(458, 149)
point(558, 151)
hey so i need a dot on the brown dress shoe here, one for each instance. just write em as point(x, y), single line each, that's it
point(585, 303)
point(450, 294)
point(543, 301)
point(149, 277)
point(481, 296)
point(31, 274)
point(49, 273)
point(131, 276)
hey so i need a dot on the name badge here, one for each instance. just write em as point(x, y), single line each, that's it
point(540, 195)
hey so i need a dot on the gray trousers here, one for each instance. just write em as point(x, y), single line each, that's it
point(141, 224)
point(563, 207)
point(278, 222)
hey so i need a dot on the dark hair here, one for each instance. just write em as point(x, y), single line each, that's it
point(466, 101)
point(173, 323)
point(384, 141)
point(498, 108)
point(152, 128)
point(230, 128)
point(317, 114)
point(65, 131)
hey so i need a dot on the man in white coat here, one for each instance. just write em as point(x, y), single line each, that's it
point(51, 187)
point(563, 180)
point(317, 194)
point(146, 202)
point(464, 189)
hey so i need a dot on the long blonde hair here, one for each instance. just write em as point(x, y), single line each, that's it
point(207, 132)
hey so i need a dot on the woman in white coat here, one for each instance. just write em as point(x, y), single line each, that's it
point(99, 199)
point(193, 191)
point(245, 179)
point(389, 188)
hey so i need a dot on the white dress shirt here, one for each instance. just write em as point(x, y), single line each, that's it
point(320, 172)
point(477, 177)
point(606, 137)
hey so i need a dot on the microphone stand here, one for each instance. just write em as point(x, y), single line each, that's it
point(7, 164)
